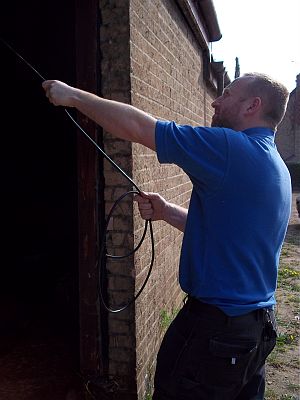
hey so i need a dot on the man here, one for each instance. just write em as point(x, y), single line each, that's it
point(233, 232)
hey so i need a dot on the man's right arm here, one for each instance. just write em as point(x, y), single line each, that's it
point(121, 120)
point(155, 207)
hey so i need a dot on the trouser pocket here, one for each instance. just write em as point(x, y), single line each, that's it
point(231, 357)
point(233, 351)
point(217, 371)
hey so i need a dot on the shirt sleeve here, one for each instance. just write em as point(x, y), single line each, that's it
point(201, 152)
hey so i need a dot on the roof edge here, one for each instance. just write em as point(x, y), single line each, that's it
point(209, 13)
point(202, 18)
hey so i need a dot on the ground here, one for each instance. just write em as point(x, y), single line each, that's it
point(283, 382)
point(38, 365)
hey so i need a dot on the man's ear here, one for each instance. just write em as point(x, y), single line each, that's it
point(254, 105)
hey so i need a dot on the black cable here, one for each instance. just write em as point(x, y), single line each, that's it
point(102, 255)
point(101, 262)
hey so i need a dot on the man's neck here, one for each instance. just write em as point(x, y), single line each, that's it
point(253, 124)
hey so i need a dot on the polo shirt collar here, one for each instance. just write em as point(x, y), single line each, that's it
point(259, 131)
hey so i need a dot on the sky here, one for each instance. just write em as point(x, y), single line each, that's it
point(263, 34)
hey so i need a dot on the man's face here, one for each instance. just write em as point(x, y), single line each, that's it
point(228, 107)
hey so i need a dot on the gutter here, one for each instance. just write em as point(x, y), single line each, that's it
point(209, 14)
point(202, 18)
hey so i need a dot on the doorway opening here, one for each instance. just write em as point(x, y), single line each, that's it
point(39, 296)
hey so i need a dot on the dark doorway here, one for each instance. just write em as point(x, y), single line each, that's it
point(39, 322)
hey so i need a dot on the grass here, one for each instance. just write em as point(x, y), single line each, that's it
point(288, 272)
point(166, 318)
point(293, 387)
point(286, 338)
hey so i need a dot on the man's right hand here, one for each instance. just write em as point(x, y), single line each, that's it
point(59, 93)
point(121, 120)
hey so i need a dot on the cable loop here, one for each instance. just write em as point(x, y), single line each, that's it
point(103, 256)
point(116, 203)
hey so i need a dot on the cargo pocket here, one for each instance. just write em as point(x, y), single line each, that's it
point(231, 359)
point(216, 369)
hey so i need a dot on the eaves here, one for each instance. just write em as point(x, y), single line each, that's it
point(202, 19)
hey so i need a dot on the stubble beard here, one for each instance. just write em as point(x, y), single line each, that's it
point(218, 122)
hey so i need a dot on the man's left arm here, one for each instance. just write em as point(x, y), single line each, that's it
point(121, 120)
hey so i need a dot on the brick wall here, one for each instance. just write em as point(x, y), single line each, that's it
point(149, 58)
point(166, 81)
point(115, 84)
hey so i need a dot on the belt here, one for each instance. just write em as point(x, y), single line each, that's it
point(208, 310)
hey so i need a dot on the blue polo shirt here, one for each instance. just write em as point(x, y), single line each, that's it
point(238, 214)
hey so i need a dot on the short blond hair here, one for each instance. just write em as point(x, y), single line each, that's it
point(274, 96)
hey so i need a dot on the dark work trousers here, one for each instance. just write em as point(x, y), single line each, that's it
point(206, 355)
